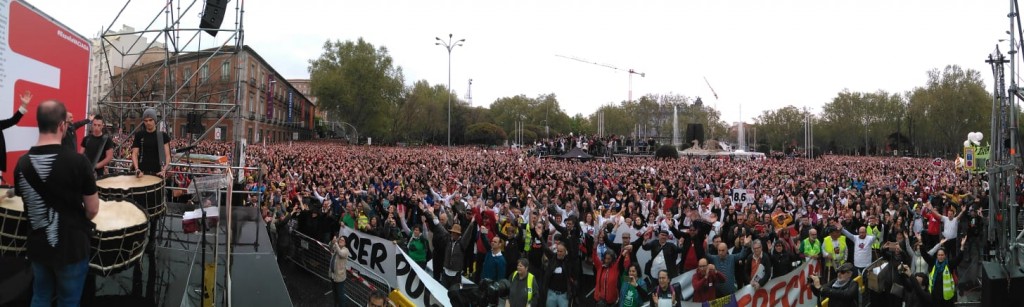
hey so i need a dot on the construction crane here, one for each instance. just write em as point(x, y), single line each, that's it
point(631, 72)
point(741, 138)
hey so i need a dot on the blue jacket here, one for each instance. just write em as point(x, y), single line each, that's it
point(728, 267)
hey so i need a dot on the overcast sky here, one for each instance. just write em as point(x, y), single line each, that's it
point(757, 55)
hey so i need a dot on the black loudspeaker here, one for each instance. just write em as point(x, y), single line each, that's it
point(194, 123)
point(213, 15)
point(694, 132)
point(994, 288)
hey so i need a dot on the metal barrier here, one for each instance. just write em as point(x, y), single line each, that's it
point(315, 257)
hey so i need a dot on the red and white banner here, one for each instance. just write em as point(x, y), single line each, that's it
point(790, 290)
point(42, 56)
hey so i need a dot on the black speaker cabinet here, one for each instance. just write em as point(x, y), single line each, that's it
point(994, 288)
point(213, 15)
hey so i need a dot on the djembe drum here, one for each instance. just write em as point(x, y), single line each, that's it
point(147, 191)
point(120, 236)
point(14, 226)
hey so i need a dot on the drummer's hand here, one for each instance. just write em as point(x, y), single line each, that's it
point(160, 174)
point(138, 173)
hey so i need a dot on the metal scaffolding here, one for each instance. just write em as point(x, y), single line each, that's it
point(129, 97)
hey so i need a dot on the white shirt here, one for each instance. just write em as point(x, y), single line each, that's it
point(861, 249)
point(949, 227)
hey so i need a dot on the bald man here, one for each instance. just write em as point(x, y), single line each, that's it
point(705, 280)
point(726, 262)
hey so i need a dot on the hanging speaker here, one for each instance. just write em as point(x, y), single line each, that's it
point(213, 15)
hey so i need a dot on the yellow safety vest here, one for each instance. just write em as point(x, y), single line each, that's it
point(528, 239)
point(811, 249)
point(947, 282)
point(873, 231)
point(529, 284)
point(837, 259)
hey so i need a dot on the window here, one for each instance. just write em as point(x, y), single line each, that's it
point(204, 72)
point(185, 76)
point(225, 70)
point(251, 105)
point(171, 78)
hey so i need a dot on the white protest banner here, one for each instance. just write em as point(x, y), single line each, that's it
point(418, 285)
point(371, 255)
point(790, 290)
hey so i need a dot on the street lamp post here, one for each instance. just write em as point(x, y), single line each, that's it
point(449, 45)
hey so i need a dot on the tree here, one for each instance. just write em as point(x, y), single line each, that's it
point(485, 134)
point(781, 128)
point(418, 112)
point(359, 84)
point(952, 103)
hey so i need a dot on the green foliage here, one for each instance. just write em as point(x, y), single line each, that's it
point(485, 134)
point(667, 151)
point(359, 84)
point(951, 104)
point(782, 127)
point(532, 112)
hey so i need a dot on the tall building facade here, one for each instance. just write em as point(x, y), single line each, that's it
point(210, 83)
point(112, 54)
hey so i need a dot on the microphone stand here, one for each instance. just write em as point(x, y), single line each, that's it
point(202, 222)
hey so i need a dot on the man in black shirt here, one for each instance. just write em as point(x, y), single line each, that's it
point(97, 147)
point(557, 277)
point(69, 138)
point(59, 193)
point(151, 149)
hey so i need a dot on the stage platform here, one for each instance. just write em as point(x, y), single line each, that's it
point(170, 273)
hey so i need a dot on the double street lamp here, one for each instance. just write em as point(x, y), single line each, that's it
point(449, 45)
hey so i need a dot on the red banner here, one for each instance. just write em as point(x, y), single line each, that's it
point(46, 58)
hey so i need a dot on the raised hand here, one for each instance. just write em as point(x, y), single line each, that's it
point(26, 98)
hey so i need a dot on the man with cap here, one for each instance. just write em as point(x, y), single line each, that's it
point(151, 150)
point(7, 123)
point(663, 256)
point(843, 292)
point(455, 247)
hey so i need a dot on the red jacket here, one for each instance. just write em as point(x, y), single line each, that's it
point(607, 279)
point(704, 287)
point(934, 222)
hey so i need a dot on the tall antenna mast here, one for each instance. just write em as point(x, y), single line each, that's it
point(469, 92)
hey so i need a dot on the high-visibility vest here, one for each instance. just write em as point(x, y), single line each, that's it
point(837, 259)
point(529, 284)
point(874, 231)
point(528, 239)
point(947, 282)
point(811, 249)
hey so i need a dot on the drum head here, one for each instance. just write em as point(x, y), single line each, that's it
point(13, 203)
point(114, 215)
point(128, 181)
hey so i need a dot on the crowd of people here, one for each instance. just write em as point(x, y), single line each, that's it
point(556, 227)
point(564, 225)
